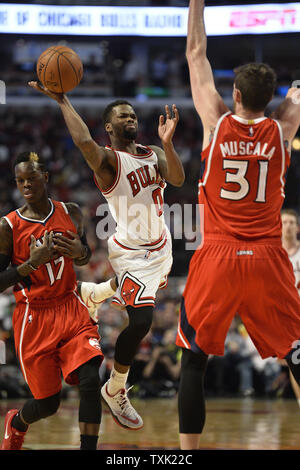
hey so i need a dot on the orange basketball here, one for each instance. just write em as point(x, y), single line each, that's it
point(59, 69)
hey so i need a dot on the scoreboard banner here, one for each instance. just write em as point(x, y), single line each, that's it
point(146, 21)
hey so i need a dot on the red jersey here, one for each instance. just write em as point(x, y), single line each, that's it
point(51, 280)
point(242, 186)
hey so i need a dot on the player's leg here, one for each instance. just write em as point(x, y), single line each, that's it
point(295, 387)
point(114, 392)
point(18, 421)
point(292, 359)
point(191, 401)
point(40, 369)
point(94, 294)
point(90, 403)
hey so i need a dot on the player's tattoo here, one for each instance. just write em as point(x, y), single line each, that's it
point(212, 133)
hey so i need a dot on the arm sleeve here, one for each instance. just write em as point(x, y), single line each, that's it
point(86, 258)
point(8, 277)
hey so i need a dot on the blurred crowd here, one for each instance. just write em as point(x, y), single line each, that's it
point(145, 68)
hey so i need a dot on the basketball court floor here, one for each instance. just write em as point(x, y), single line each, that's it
point(231, 424)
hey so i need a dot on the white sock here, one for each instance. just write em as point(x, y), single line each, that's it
point(116, 381)
point(100, 291)
point(103, 291)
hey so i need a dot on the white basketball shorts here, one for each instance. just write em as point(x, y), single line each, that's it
point(140, 272)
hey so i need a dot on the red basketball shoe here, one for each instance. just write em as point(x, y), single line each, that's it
point(13, 439)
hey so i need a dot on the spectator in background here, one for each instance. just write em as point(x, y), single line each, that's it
point(159, 70)
point(291, 244)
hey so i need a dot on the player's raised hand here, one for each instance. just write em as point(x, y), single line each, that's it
point(42, 253)
point(168, 123)
point(39, 87)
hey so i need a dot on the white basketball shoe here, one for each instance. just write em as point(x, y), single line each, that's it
point(93, 295)
point(121, 409)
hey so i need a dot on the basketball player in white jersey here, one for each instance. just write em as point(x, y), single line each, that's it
point(291, 244)
point(132, 177)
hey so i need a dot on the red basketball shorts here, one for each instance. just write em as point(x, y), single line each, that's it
point(255, 281)
point(54, 340)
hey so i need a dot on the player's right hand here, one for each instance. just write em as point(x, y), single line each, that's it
point(43, 253)
point(39, 87)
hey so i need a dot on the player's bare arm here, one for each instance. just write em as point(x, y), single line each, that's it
point(288, 115)
point(9, 276)
point(208, 103)
point(101, 160)
point(169, 163)
point(74, 246)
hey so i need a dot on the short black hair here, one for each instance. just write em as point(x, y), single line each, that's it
point(29, 157)
point(257, 84)
point(107, 111)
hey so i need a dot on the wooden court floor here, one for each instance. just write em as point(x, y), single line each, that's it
point(231, 424)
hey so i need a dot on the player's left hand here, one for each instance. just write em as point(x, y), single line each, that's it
point(42, 89)
point(167, 126)
point(69, 247)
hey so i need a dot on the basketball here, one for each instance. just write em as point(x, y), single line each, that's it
point(59, 69)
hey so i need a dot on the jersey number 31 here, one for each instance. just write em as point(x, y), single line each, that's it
point(239, 177)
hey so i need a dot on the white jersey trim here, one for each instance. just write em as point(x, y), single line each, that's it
point(249, 122)
point(283, 158)
point(22, 334)
point(149, 153)
point(35, 220)
point(117, 178)
point(154, 246)
point(212, 148)
point(9, 222)
point(65, 207)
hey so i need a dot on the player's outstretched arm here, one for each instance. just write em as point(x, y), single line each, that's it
point(208, 103)
point(288, 115)
point(169, 163)
point(91, 151)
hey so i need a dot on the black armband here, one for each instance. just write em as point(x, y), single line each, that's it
point(9, 278)
point(87, 255)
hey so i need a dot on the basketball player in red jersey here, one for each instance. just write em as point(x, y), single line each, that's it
point(240, 265)
point(132, 177)
point(53, 331)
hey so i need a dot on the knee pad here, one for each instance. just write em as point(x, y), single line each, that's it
point(191, 402)
point(48, 406)
point(88, 375)
point(192, 360)
point(140, 319)
point(89, 388)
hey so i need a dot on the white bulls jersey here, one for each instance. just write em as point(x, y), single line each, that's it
point(295, 260)
point(135, 200)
